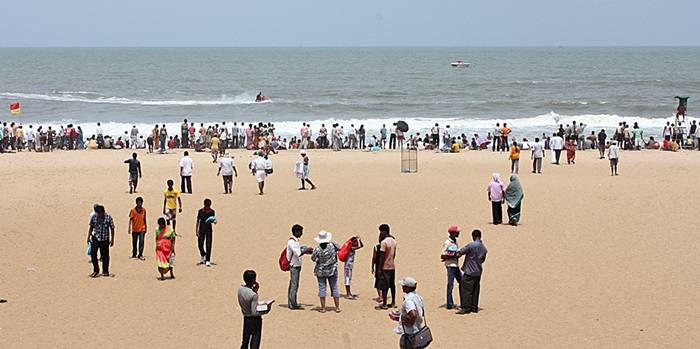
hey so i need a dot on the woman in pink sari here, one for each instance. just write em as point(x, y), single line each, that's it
point(165, 248)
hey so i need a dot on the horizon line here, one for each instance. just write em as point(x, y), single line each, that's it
point(365, 46)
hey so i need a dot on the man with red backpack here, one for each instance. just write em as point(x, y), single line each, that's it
point(293, 253)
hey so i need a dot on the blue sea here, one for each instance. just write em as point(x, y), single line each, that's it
point(533, 89)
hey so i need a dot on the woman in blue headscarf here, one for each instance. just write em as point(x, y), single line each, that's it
point(514, 197)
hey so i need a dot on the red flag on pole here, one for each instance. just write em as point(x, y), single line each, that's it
point(15, 108)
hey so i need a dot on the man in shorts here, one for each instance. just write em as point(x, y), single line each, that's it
point(134, 172)
point(172, 204)
point(386, 268)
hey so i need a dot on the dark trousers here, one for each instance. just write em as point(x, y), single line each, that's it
point(362, 141)
point(497, 212)
point(557, 154)
point(103, 247)
point(137, 241)
point(228, 183)
point(185, 142)
point(537, 165)
point(504, 143)
point(453, 273)
point(496, 143)
point(186, 183)
point(435, 139)
point(469, 292)
point(252, 332)
point(204, 239)
point(392, 142)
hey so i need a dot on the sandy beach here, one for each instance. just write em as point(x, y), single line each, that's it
point(598, 261)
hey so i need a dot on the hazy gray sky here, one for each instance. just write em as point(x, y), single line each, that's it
point(349, 23)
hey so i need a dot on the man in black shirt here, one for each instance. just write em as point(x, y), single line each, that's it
point(205, 218)
point(134, 172)
point(601, 143)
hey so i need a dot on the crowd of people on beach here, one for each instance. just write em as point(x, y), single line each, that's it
point(326, 255)
point(261, 136)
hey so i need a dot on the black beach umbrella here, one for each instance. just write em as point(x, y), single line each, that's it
point(402, 126)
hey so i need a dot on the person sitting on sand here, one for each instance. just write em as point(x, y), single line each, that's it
point(454, 148)
point(652, 144)
point(165, 248)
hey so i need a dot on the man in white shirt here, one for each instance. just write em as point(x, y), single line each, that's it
point(227, 169)
point(392, 136)
point(258, 169)
point(30, 139)
point(537, 156)
point(557, 144)
point(294, 253)
point(304, 135)
point(134, 137)
point(412, 314)
point(352, 135)
point(186, 173)
point(614, 156)
point(100, 136)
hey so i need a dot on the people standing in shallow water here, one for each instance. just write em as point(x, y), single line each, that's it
point(165, 248)
point(514, 197)
point(495, 192)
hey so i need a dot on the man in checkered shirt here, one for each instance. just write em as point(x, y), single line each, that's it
point(101, 237)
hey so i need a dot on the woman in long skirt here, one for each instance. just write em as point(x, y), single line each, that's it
point(514, 198)
point(165, 248)
point(495, 191)
point(571, 150)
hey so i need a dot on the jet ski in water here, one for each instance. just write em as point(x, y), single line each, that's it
point(260, 98)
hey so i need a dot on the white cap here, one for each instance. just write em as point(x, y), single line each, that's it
point(408, 282)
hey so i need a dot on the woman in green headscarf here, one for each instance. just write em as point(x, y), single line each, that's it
point(514, 197)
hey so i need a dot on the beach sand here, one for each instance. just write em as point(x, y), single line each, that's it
point(598, 261)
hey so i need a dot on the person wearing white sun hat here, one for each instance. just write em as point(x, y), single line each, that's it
point(326, 270)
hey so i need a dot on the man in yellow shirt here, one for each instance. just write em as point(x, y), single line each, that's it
point(215, 141)
point(171, 201)
point(514, 157)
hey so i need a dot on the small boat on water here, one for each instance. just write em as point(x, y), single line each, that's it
point(460, 64)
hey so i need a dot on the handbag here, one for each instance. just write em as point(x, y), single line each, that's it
point(89, 248)
point(420, 339)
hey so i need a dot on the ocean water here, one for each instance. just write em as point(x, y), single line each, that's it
point(533, 89)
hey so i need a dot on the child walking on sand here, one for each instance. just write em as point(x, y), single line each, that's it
point(350, 263)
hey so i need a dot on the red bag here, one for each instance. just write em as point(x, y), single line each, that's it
point(284, 262)
point(345, 250)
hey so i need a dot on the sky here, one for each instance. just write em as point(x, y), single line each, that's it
point(309, 23)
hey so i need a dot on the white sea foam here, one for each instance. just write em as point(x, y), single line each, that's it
point(88, 97)
point(521, 127)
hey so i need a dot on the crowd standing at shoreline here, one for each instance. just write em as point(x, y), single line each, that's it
point(219, 137)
